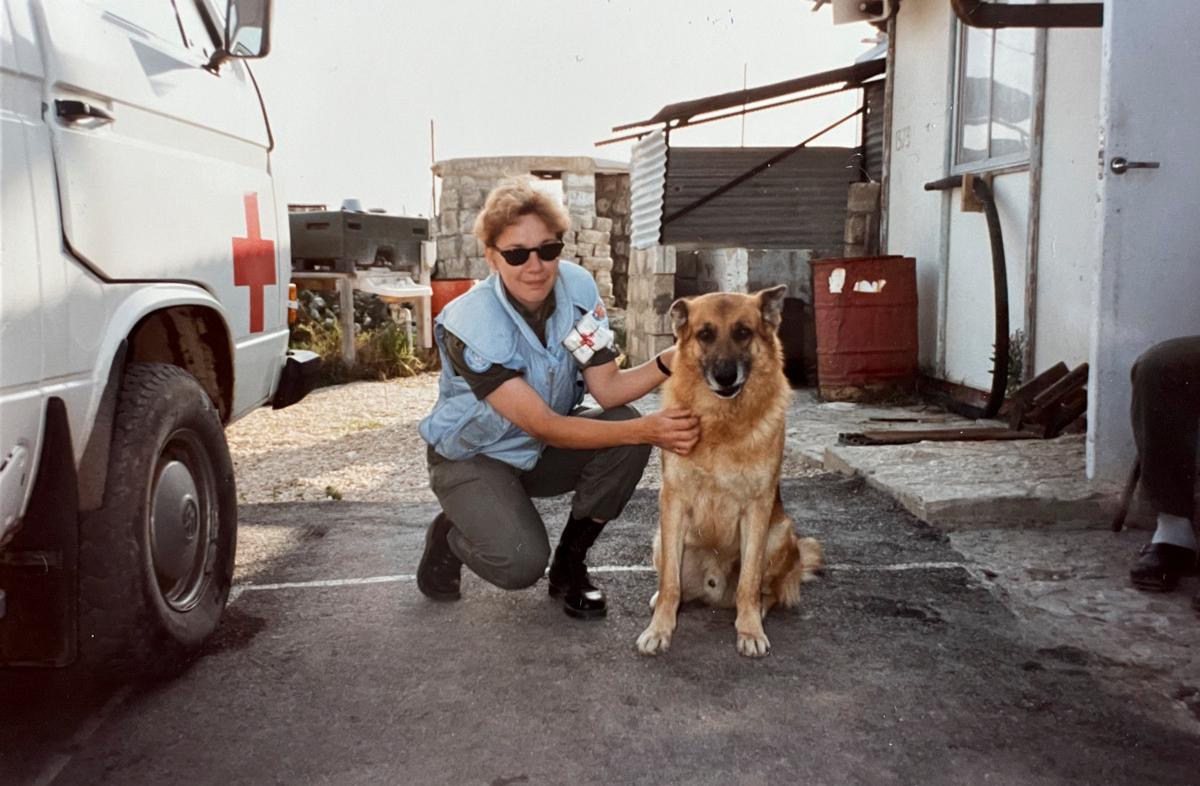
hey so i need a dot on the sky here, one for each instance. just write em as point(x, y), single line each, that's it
point(351, 87)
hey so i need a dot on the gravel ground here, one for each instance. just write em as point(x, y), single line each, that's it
point(359, 442)
point(355, 442)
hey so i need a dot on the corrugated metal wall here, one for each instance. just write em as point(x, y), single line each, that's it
point(799, 202)
point(873, 130)
point(647, 173)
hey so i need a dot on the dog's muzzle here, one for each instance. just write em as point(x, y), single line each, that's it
point(726, 377)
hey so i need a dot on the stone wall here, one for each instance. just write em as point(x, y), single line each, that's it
point(651, 290)
point(465, 186)
point(588, 241)
point(862, 220)
point(660, 274)
point(612, 202)
point(459, 254)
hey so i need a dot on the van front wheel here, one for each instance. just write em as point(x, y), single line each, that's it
point(156, 561)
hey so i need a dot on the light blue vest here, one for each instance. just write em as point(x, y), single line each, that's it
point(460, 425)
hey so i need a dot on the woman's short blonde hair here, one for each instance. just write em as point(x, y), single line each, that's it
point(515, 198)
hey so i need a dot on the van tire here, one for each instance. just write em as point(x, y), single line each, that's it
point(156, 560)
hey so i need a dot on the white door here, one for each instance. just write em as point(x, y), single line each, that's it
point(1149, 223)
point(163, 166)
point(21, 313)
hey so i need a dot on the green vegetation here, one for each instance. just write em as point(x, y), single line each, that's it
point(380, 340)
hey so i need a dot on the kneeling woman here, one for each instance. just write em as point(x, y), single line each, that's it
point(508, 424)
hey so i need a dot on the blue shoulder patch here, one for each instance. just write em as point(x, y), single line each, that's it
point(475, 361)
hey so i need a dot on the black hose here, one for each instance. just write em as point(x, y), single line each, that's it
point(1000, 295)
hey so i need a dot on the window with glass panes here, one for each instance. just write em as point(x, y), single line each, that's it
point(995, 95)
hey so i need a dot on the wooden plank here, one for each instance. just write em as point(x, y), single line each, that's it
point(1069, 410)
point(932, 419)
point(1024, 396)
point(1056, 392)
point(909, 436)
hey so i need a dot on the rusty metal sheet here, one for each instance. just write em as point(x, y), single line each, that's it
point(798, 203)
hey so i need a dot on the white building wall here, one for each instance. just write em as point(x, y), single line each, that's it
point(918, 152)
point(1068, 256)
point(951, 247)
point(970, 301)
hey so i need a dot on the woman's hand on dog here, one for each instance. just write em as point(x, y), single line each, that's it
point(676, 430)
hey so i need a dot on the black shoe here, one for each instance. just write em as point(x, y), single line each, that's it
point(440, 571)
point(568, 574)
point(1160, 566)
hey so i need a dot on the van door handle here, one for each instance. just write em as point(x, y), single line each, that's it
point(79, 111)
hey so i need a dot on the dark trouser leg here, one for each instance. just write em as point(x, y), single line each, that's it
point(497, 532)
point(1165, 414)
point(603, 481)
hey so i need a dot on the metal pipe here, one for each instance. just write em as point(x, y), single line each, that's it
point(976, 13)
point(703, 120)
point(1000, 283)
point(1000, 296)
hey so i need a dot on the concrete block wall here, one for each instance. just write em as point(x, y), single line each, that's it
point(459, 254)
point(769, 267)
point(612, 202)
point(651, 291)
point(589, 242)
point(660, 274)
point(862, 220)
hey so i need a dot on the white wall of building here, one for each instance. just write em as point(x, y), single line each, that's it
point(918, 154)
point(1068, 256)
point(970, 301)
point(951, 247)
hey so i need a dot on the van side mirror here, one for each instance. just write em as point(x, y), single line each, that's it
point(247, 32)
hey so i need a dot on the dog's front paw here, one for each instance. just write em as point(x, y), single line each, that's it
point(753, 645)
point(654, 640)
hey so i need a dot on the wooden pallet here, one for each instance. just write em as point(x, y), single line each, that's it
point(1040, 409)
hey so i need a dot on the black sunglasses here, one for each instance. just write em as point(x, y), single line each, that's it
point(547, 252)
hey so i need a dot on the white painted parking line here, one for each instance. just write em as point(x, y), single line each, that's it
point(239, 589)
point(236, 592)
point(902, 566)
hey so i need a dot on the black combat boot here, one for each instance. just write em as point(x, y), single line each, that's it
point(568, 574)
point(440, 571)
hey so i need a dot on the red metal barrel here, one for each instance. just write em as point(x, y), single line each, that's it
point(446, 289)
point(866, 322)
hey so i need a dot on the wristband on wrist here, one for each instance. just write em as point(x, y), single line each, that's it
point(662, 366)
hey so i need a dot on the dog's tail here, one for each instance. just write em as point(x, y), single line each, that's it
point(812, 559)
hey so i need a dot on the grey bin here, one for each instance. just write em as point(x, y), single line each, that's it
point(345, 241)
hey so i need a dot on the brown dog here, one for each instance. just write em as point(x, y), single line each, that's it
point(724, 537)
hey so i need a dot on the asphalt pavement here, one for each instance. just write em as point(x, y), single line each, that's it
point(901, 665)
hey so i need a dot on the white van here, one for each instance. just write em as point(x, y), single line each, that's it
point(144, 267)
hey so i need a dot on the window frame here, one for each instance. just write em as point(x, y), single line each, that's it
point(207, 19)
point(1012, 161)
point(177, 40)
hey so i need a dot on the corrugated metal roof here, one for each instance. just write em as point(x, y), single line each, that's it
point(647, 176)
point(800, 202)
point(684, 110)
point(873, 95)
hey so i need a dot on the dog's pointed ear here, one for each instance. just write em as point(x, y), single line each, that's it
point(771, 303)
point(679, 315)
